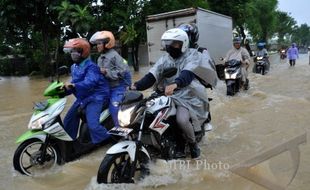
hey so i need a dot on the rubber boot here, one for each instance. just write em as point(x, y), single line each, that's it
point(180, 151)
point(195, 150)
point(246, 85)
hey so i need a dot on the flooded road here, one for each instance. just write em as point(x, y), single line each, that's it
point(274, 110)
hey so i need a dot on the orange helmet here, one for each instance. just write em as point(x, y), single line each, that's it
point(105, 37)
point(78, 43)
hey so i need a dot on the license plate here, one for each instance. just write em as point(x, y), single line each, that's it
point(119, 131)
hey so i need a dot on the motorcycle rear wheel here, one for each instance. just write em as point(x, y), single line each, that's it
point(27, 157)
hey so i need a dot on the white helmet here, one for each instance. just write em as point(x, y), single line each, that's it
point(175, 35)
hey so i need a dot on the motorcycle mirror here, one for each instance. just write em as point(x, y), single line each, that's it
point(169, 72)
point(62, 70)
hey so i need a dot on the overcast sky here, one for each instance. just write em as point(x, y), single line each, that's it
point(299, 9)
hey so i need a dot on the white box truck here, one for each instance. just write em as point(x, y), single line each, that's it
point(215, 30)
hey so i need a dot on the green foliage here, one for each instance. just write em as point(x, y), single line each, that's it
point(5, 50)
point(262, 23)
point(239, 10)
point(160, 6)
point(77, 16)
point(259, 17)
point(25, 21)
point(284, 25)
point(5, 67)
point(129, 35)
point(33, 28)
point(301, 35)
point(10, 65)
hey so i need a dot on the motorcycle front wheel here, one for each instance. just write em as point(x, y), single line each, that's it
point(28, 157)
point(231, 88)
point(116, 168)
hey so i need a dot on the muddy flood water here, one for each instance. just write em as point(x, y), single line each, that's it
point(251, 130)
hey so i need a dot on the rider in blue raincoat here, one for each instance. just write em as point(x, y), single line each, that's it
point(90, 89)
point(114, 68)
point(262, 52)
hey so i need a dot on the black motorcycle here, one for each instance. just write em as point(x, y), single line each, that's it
point(261, 65)
point(151, 128)
point(233, 77)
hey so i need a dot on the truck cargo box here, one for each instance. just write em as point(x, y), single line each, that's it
point(215, 30)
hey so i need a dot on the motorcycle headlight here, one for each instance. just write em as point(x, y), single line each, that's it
point(124, 116)
point(234, 75)
point(149, 103)
point(37, 124)
point(259, 58)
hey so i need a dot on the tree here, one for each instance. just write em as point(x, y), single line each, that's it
point(34, 28)
point(160, 6)
point(78, 17)
point(301, 35)
point(239, 10)
point(126, 19)
point(262, 21)
point(284, 25)
point(26, 19)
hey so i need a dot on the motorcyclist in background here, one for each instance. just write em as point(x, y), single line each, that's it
point(282, 52)
point(192, 32)
point(262, 52)
point(114, 68)
point(240, 53)
point(309, 54)
point(248, 47)
point(191, 100)
point(89, 87)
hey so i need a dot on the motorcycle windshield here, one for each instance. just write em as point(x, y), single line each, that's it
point(260, 63)
point(131, 97)
point(232, 70)
point(233, 63)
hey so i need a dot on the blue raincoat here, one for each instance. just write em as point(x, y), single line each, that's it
point(92, 94)
point(292, 53)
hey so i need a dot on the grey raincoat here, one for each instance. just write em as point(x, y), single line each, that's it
point(193, 96)
point(206, 71)
point(116, 66)
point(240, 54)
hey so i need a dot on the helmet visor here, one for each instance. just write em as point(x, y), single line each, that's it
point(67, 50)
point(172, 43)
point(102, 41)
point(72, 50)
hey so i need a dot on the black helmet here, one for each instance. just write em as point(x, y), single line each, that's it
point(192, 33)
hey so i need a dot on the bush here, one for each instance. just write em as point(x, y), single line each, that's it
point(5, 67)
point(13, 65)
